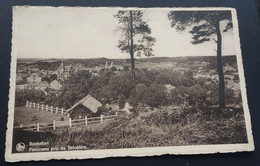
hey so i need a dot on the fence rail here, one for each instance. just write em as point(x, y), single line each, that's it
point(70, 123)
point(45, 107)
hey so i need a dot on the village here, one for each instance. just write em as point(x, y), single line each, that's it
point(33, 78)
point(52, 81)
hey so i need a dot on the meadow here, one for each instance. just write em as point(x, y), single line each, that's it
point(160, 127)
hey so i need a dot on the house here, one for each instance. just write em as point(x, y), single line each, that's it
point(56, 84)
point(88, 106)
point(34, 78)
point(43, 85)
point(229, 68)
point(77, 67)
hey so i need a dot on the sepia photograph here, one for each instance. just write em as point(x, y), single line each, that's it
point(102, 82)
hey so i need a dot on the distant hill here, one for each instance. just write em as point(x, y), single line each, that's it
point(52, 64)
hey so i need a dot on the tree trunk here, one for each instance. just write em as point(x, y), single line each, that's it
point(132, 47)
point(220, 68)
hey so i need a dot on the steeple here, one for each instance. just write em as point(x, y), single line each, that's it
point(62, 68)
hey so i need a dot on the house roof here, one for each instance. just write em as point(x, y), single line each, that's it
point(89, 102)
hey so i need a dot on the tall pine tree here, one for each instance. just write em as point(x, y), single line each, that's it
point(135, 35)
point(205, 27)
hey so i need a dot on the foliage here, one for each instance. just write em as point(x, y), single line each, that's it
point(119, 84)
point(75, 88)
point(32, 95)
point(125, 68)
point(99, 86)
point(205, 24)
point(47, 79)
point(44, 65)
point(175, 78)
point(113, 68)
point(155, 95)
point(139, 30)
point(21, 82)
point(53, 77)
point(202, 94)
point(121, 101)
point(158, 128)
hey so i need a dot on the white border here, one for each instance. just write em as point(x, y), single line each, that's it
point(149, 151)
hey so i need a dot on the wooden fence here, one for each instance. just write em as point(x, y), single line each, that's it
point(45, 107)
point(70, 123)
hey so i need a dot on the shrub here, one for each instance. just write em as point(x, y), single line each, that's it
point(22, 96)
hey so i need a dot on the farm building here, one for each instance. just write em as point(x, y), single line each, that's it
point(88, 106)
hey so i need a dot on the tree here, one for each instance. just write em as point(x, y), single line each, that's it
point(155, 95)
point(135, 35)
point(53, 77)
point(75, 88)
point(205, 26)
point(47, 79)
point(119, 84)
point(32, 95)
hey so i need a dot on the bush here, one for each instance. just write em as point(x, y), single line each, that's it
point(155, 95)
point(32, 95)
point(201, 95)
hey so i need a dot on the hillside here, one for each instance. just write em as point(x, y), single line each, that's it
point(161, 127)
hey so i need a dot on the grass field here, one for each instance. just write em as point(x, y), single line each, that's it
point(161, 127)
point(26, 116)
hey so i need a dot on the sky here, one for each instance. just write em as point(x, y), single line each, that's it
point(49, 32)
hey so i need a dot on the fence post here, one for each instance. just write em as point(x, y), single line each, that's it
point(54, 125)
point(38, 106)
point(51, 109)
point(30, 104)
point(86, 120)
point(116, 113)
point(33, 104)
point(57, 109)
point(46, 107)
point(27, 103)
point(62, 110)
point(101, 118)
point(38, 127)
point(42, 106)
point(70, 122)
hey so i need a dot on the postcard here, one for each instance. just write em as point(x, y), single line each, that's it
point(96, 82)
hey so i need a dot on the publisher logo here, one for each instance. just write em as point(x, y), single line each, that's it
point(20, 147)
